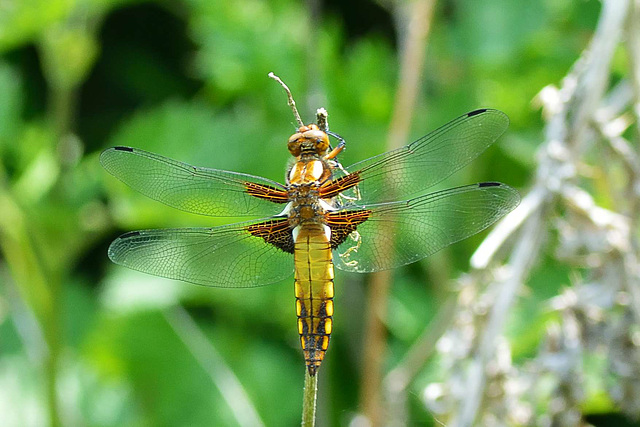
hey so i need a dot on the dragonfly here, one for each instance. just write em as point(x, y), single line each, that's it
point(373, 215)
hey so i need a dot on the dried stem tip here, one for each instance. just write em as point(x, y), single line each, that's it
point(322, 119)
point(292, 103)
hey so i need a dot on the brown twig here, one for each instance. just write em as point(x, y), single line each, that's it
point(292, 103)
point(414, 23)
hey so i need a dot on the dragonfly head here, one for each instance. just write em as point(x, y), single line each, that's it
point(309, 139)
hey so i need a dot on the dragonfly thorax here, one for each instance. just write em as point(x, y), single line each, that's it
point(305, 205)
point(309, 170)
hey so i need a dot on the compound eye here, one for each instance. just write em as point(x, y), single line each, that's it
point(295, 137)
point(314, 134)
point(321, 140)
point(294, 145)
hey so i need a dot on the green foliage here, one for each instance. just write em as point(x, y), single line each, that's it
point(120, 361)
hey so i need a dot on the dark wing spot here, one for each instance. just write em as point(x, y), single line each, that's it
point(489, 184)
point(476, 112)
point(129, 234)
point(120, 148)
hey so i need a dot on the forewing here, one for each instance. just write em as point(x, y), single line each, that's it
point(194, 189)
point(389, 235)
point(411, 170)
point(239, 255)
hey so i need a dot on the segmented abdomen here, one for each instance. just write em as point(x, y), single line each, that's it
point(314, 292)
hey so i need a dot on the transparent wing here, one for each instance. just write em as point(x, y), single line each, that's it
point(231, 256)
point(202, 191)
point(394, 234)
point(410, 170)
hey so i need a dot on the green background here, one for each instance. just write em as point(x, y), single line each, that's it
point(188, 80)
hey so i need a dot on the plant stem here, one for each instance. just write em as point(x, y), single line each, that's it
point(310, 394)
point(414, 23)
point(37, 286)
point(222, 376)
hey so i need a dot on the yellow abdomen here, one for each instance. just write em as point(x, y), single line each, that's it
point(314, 292)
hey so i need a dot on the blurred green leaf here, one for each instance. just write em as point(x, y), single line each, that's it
point(10, 105)
point(120, 362)
point(21, 21)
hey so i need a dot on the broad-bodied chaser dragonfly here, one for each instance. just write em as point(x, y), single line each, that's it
point(368, 217)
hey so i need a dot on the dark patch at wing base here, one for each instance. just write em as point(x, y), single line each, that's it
point(344, 223)
point(275, 232)
point(266, 192)
point(337, 186)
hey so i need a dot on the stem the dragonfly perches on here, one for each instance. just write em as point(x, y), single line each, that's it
point(309, 397)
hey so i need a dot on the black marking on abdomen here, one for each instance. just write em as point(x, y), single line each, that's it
point(313, 340)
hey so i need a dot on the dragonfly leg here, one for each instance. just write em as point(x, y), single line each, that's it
point(341, 146)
